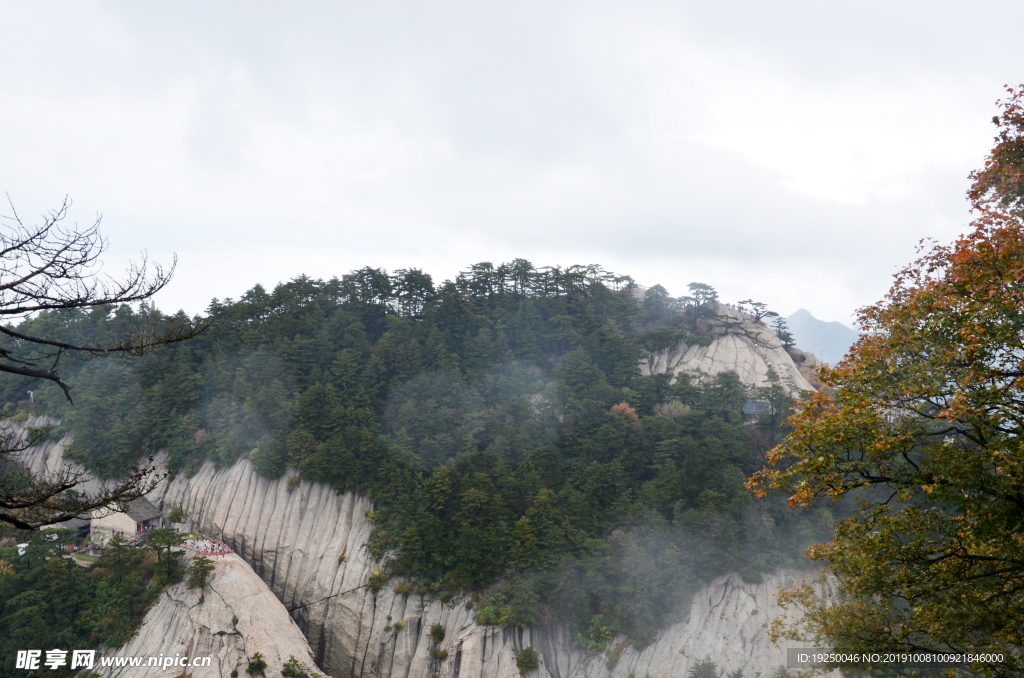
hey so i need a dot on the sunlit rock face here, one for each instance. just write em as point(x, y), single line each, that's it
point(309, 546)
point(738, 345)
point(231, 619)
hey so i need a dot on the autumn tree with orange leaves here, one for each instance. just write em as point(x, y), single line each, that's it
point(922, 426)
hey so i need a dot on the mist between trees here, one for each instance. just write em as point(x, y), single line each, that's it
point(498, 421)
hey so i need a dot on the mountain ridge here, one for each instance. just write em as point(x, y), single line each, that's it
point(828, 340)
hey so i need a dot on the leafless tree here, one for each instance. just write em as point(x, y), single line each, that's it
point(56, 266)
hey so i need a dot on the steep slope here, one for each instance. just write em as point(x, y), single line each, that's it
point(47, 457)
point(230, 620)
point(309, 546)
point(238, 617)
point(740, 346)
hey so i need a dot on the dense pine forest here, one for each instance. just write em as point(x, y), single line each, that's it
point(499, 422)
point(50, 602)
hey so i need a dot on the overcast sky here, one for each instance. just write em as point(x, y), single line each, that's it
point(793, 152)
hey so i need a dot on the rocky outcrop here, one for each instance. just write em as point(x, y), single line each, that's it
point(807, 363)
point(230, 620)
point(738, 345)
point(308, 545)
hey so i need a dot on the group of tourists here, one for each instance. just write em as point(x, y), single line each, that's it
point(208, 547)
point(745, 311)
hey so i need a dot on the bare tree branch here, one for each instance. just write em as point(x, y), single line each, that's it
point(49, 267)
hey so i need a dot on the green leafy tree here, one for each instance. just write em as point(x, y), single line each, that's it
point(782, 331)
point(257, 665)
point(760, 310)
point(163, 540)
point(595, 635)
point(198, 572)
point(704, 295)
point(778, 400)
point(527, 660)
point(47, 601)
point(700, 303)
point(921, 426)
point(436, 633)
point(293, 668)
point(703, 668)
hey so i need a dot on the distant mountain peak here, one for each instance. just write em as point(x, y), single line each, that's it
point(829, 341)
point(803, 314)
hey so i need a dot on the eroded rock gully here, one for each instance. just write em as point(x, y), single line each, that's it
point(230, 620)
point(308, 545)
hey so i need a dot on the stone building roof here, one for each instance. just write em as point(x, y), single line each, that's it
point(141, 509)
point(73, 523)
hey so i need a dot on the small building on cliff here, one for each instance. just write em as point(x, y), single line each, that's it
point(139, 517)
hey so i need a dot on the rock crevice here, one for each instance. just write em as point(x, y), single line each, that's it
point(231, 619)
point(300, 535)
point(293, 539)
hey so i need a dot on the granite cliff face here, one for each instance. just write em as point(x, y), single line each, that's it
point(307, 550)
point(230, 620)
point(46, 458)
point(738, 345)
point(308, 545)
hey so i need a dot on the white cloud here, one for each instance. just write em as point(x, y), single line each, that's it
point(792, 152)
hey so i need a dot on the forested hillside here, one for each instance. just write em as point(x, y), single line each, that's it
point(47, 601)
point(498, 421)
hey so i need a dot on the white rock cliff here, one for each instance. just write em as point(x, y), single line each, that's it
point(740, 346)
point(309, 546)
point(230, 620)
